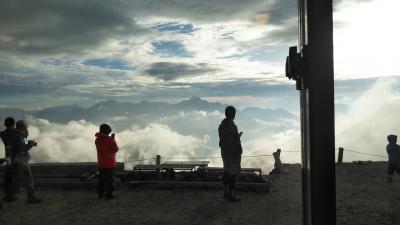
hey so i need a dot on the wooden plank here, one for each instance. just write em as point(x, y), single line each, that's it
point(164, 166)
point(258, 187)
point(188, 163)
point(221, 169)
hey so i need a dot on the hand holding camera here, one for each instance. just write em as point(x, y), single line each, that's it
point(32, 143)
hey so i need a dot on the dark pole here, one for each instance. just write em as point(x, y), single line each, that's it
point(158, 161)
point(340, 155)
point(317, 112)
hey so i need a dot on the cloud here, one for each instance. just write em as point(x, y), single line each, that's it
point(357, 30)
point(185, 135)
point(373, 116)
point(74, 142)
point(46, 27)
point(171, 71)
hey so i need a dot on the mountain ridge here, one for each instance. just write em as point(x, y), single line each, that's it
point(104, 110)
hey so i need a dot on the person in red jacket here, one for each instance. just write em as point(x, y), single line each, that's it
point(106, 151)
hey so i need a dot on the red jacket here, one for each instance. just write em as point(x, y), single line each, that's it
point(106, 149)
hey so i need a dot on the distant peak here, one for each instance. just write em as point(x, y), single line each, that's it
point(195, 98)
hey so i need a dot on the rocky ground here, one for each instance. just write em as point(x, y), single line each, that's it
point(363, 197)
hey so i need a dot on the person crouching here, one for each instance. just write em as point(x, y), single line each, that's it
point(106, 150)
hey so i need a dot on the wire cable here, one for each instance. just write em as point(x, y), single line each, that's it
point(364, 153)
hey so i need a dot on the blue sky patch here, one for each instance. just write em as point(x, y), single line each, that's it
point(175, 27)
point(109, 64)
point(171, 48)
point(265, 53)
point(58, 62)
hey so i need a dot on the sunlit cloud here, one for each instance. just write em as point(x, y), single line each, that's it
point(365, 42)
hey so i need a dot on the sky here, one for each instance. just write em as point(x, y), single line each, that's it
point(232, 51)
point(81, 52)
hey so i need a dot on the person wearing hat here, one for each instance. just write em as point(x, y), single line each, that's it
point(393, 150)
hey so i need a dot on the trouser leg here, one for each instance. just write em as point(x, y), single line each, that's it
point(101, 182)
point(8, 178)
point(18, 179)
point(390, 172)
point(109, 181)
point(30, 189)
point(233, 173)
point(225, 177)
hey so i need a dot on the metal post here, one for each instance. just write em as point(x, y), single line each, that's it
point(340, 155)
point(158, 161)
point(317, 112)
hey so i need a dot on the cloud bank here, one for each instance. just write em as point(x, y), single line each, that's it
point(362, 127)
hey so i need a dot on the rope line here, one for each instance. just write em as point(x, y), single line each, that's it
point(365, 153)
point(246, 156)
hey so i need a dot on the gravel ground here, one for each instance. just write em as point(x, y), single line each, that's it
point(364, 197)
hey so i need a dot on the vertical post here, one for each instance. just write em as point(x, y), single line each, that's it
point(158, 161)
point(317, 112)
point(340, 155)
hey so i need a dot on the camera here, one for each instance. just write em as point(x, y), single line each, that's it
point(32, 143)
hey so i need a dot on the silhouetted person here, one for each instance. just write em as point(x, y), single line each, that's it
point(106, 150)
point(7, 137)
point(278, 163)
point(20, 147)
point(231, 151)
point(393, 151)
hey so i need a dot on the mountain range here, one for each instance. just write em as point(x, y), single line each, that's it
point(105, 110)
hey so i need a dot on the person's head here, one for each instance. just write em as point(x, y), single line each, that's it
point(9, 122)
point(392, 138)
point(278, 150)
point(22, 126)
point(105, 129)
point(230, 112)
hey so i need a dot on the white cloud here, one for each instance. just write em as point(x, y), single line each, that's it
point(74, 142)
point(370, 119)
point(365, 40)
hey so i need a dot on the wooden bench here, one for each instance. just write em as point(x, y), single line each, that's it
point(174, 165)
point(221, 170)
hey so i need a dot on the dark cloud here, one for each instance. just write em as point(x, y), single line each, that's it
point(52, 27)
point(55, 27)
point(171, 71)
point(205, 11)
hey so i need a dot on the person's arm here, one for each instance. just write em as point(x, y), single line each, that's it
point(113, 145)
point(19, 145)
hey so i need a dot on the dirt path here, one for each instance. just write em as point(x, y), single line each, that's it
point(363, 197)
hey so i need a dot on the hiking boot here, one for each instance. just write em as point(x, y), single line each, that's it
point(233, 197)
point(10, 199)
point(34, 200)
point(226, 192)
point(100, 196)
point(109, 197)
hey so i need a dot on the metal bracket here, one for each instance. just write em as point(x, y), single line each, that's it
point(295, 69)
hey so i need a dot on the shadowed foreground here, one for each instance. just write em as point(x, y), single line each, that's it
point(364, 197)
